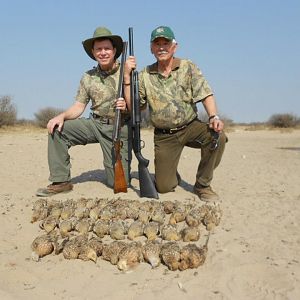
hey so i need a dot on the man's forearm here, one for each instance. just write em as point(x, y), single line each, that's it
point(210, 106)
point(74, 111)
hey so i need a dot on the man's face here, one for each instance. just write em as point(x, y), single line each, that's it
point(163, 49)
point(104, 53)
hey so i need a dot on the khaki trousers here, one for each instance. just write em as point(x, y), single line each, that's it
point(82, 132)
point(168, 148)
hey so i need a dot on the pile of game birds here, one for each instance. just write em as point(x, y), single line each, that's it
point(125, 232)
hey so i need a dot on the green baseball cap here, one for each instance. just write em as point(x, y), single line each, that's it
point(162, 31)
point(102, 32)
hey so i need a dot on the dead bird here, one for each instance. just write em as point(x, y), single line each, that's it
point(212, 217)
point(41, 246)
point(107, 213)
point(59, 244)
point(91, 203)
point(193, 218)
point(152, 230)
point(192, 256)
point(67, 212)
point(95, 213)
point(178, 215)
point(130, 256)
point(81, 212)
point(136, 229)
point(190, 234)
point(169, 206)
point(87, 253)
point(170, 233)
point(39, 214)
point(151, 253)
point(158, 215)
point(144, 216)
point(66, 226)
point(56, 211)
point(39, 204)
point(81, 202)
point(96, 244)
point(120, 212)
point(111, 251)
point(101, 228)
point(170, 255)
point(83, 226)
point(49, 223)
point(117, 230)
point(73, 247)
point(147, 205)
point(133, 209)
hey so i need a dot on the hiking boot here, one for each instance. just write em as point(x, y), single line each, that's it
point(206, 193)
point(55, 188)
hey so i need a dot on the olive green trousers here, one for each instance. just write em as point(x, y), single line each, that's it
point(82, 132)
point(168, 149)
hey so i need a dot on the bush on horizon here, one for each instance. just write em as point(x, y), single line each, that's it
point(43, 116)
point(284, 120)
point(8, 111)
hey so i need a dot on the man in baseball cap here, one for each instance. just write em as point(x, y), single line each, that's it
point(164, 32)
point(171, 87)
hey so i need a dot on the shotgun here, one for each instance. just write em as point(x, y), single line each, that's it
point(147, 186)
point(120, 184)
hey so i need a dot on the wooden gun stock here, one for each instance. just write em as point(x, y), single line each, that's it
point(120, 184)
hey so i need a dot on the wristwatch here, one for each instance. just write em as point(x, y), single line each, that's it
point(214, 117)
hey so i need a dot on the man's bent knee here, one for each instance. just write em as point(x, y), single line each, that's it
point(163, 187)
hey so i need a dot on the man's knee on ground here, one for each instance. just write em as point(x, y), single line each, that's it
point(163, 187)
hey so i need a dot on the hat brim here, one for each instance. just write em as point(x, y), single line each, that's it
point(116, 40)
point(161, 36)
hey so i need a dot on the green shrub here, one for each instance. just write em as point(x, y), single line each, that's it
point(43, 116)
point(283, 120)
point(8, 111)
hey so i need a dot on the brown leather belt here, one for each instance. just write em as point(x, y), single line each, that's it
point(108, 121)
point(172, 130)
point(103, 120)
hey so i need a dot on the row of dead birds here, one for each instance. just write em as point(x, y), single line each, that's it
point(125, 255)
point(71, 227)
point(85, 214)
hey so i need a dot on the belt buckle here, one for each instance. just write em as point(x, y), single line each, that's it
point(172, 130)
point(104, 120)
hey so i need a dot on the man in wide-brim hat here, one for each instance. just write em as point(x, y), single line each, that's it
point(98, 85)
point(100, 34)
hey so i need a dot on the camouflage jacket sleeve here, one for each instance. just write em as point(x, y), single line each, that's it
point(142, 90)
point(200, 86)
point(82, 93)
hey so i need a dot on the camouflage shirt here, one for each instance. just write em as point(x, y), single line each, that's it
point(172, 100)
point(101, 88)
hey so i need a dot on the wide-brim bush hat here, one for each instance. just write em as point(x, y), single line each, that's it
point(101, 33)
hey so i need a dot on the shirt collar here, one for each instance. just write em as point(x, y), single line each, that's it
point(107, 73)
point(175, 65)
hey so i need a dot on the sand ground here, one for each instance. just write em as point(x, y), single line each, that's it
point(253, 253)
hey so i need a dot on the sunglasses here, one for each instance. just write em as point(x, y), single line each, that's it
point(215, 140)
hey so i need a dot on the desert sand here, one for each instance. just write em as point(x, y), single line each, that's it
point(253, 253)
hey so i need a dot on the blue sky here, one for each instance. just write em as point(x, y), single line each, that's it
point(249, 51)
